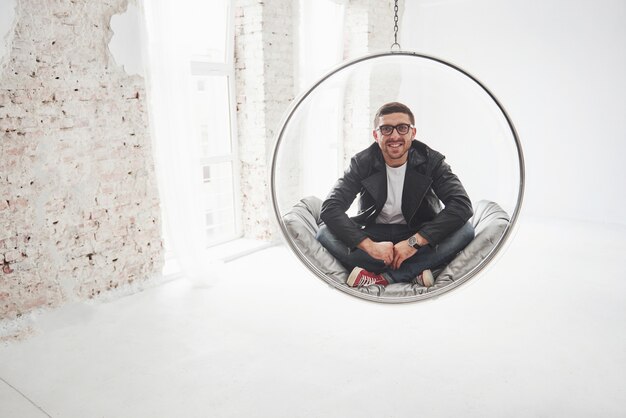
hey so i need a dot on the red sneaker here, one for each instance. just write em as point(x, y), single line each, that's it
point(360, 277)
point(425, 278)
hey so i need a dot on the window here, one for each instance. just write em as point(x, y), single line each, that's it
point(214, 130)
point(212, 81)
point(191, 47)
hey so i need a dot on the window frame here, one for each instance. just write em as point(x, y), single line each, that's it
point(226, 69)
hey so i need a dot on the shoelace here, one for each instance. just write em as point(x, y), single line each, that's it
point(367, 281)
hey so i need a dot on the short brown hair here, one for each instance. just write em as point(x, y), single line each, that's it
point(393, 107)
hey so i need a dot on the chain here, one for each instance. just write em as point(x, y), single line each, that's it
point(395, 27)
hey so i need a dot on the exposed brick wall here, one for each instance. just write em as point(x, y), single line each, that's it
point(79, 210)
point(265, 71)
point(265, 87)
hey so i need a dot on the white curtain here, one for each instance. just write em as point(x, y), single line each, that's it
point(176, 148)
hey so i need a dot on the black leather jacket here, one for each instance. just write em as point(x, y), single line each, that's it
point(428, 182)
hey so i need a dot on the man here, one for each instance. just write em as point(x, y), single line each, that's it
point(401, 230)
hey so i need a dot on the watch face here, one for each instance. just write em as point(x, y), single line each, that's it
point(412, 241)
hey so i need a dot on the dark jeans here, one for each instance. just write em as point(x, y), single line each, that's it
point(426, 258)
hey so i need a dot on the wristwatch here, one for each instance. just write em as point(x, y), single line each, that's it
point(413, 242)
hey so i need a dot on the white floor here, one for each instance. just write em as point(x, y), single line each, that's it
point(541, 334)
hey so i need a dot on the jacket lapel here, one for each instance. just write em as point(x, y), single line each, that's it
point(416, 185)
point(376, 183)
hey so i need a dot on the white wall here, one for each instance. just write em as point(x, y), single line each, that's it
point(125, 45)
point(455, 116)
point(558, 67)
point(7, 16)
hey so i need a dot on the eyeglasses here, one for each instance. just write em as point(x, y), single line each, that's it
point(402, 129)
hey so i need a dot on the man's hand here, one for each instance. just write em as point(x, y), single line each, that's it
point(401, 251)
point(378, 250)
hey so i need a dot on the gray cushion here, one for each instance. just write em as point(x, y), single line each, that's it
point(489, 221)
point(302, 222)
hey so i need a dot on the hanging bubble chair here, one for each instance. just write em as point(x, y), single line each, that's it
point(455, 114)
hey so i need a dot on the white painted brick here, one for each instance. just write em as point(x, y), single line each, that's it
point(264, 66)
point(64, 165)
point(265, 85)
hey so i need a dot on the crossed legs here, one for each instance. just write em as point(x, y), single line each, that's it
point(426, 258)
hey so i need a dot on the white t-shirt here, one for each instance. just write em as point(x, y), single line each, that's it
point(392, 211)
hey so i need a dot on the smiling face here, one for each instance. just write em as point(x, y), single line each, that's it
point(395, 147)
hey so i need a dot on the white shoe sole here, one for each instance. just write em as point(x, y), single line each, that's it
point(353, 276)
point(427, 279)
